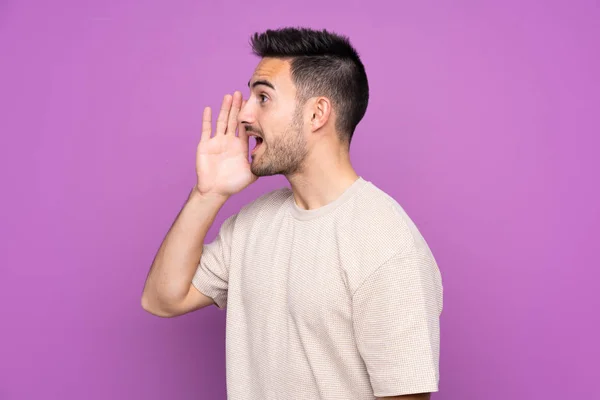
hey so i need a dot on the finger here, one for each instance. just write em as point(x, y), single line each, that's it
point(240, 126)
point(242, 134)
point(223, 114)
point(206, 124)
point(233, 114)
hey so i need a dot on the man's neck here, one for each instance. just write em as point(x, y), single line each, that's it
point(322, 180)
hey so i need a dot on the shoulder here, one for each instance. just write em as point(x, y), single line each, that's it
point(262, 209)
point(269, 203)
point(377, 229)
point(381, 218)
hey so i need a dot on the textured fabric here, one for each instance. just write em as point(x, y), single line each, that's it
point(341, 302)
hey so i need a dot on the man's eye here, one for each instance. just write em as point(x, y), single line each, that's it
point(263, 98)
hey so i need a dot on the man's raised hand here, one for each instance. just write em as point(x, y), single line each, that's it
point(222, 165)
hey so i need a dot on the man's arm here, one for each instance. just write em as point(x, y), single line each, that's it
point(168, 290)
point(420, 396)
point(223, 169)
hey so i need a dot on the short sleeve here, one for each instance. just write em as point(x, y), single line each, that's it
point(396, 314)
point(212, 274)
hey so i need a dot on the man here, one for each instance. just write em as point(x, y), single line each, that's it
point(330, 290)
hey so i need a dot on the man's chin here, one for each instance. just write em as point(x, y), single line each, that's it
point(260, 172)
point(254, 167)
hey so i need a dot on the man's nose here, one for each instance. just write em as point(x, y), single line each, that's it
point(245, 114)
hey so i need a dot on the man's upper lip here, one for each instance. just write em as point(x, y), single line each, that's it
point(254, 134)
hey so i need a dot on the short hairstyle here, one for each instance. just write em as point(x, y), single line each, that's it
point(322, 64)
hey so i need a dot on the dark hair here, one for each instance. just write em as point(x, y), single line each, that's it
point(322, 64)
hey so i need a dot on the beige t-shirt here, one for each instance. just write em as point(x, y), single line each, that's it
point(341, 302)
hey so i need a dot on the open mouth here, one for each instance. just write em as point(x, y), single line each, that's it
point(258, 143)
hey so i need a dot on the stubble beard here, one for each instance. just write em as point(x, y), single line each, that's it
point(284, 155)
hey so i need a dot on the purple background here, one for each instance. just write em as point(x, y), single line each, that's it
point(483, 124)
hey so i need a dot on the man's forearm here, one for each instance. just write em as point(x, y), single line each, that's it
point(175, 263)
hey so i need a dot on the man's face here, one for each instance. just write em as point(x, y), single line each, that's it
point(272, 114)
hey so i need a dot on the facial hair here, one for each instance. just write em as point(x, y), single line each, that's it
point(285, 154)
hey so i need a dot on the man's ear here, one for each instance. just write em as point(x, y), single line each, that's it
point(321, 113)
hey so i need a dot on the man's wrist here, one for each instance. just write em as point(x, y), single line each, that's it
point(207, 197)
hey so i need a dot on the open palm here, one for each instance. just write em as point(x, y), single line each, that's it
point(222, 162)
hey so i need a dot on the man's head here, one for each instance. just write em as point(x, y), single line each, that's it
point(309, 86)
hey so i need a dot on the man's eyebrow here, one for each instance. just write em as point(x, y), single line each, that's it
point(262, 82)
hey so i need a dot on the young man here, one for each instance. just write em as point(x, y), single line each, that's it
point(330, 290)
